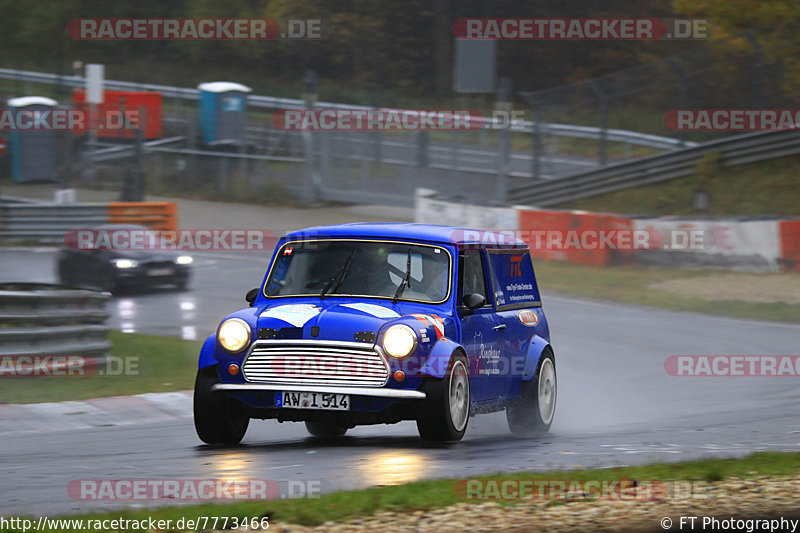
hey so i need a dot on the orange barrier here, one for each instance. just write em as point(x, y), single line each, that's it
point(574, 237)
point(157, 215)
point(789, 234)
point(120, 113)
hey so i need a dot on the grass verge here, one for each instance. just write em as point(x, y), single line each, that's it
point(433, 494)
point(633, 285)
point(155, 364)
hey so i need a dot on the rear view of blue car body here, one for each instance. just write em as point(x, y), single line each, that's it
point(378, 323)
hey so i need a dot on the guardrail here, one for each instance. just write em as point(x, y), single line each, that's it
point(48, 222)
point(737, 150)
point(271, 102)
point(40, 320)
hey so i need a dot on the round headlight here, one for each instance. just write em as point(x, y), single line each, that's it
point(184, 259)
point(400, 341)
point(234, 334)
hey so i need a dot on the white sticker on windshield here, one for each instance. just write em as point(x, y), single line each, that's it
point(374, 310)
point(294, 314)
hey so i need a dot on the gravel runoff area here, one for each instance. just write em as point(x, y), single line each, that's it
point(758, 498)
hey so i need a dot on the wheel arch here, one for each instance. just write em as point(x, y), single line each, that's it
point(537, 346)
point(439, 358)
point(207, 358)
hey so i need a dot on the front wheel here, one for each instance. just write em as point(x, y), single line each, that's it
point(532, 413)
point(445, 412)
point(109, 282)
point(216, 418)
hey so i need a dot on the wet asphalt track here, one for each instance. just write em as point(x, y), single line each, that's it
point(616, 404)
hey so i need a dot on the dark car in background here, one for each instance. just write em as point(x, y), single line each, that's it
point(114, 270)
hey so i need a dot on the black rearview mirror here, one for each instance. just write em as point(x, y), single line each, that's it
point(251, 296)
point(474, 300)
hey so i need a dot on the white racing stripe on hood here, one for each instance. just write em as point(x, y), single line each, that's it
point(375, 310)
point(294, 314)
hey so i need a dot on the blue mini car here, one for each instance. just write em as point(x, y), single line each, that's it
point(377, 323)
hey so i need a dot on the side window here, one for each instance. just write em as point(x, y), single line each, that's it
point(474, 279)
point(513, 279)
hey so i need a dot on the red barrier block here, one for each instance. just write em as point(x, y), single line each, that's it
point(789, 233)
point(575, 237)
point(122, 112)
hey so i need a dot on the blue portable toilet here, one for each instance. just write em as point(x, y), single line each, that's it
point(33, 153)
point(223, 105)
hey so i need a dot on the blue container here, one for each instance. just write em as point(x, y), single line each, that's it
point(223, 107)
point(33, 153)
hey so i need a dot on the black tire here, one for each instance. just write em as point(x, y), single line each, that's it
point(526, 417)
point(435, 420)
point(216, 418)
point(109, 283)
point(325, 430)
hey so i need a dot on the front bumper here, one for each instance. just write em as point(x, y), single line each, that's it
point(375, 392)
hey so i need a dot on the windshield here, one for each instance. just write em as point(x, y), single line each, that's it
point(372, 269)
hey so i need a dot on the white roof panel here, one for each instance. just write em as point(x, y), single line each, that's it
point(223, 87)
point(25, 101)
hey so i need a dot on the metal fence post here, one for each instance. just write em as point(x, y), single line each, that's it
point(191, 137)
point(504, 148)
point(758, 67)
point(602, 144)
point(132, 187)
point(536, 159)
point(423, 148)
point(310, 98)
point(683, 91)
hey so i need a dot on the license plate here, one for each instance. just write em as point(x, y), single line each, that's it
point(313, 400)
point(160, 272)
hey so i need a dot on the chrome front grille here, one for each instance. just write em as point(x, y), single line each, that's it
point(309, 362)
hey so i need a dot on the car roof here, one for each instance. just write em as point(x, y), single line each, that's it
point(410, 230)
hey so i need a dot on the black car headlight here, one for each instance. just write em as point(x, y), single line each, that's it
point(126, 263)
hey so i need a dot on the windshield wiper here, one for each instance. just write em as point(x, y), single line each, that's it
point(406, 281)
point(338, 278)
